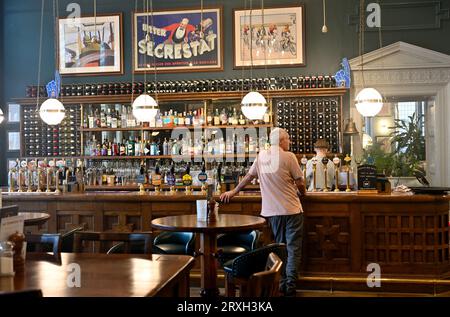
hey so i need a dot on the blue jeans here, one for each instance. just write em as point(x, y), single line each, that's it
point(289, 230)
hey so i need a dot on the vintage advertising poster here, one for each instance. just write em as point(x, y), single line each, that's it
point(178, 41)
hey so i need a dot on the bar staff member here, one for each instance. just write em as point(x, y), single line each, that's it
point(318, 183)
point(280, 179)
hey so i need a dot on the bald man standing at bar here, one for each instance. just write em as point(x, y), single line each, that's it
point(281, 181)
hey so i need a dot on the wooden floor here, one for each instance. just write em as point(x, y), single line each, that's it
point(195, 292)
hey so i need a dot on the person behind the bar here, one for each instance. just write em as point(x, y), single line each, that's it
point(281, 181)
point(321, 148)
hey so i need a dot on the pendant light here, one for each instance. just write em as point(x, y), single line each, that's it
point(52, 111)
point(324, 27)
point(254, 105)
point(368, 101)
point(145, 107)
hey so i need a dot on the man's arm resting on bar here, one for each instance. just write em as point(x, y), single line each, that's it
point(226, 197)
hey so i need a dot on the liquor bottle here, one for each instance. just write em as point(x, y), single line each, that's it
point(209, 119)
point(91, 119)
point(223, 117)
point(109, 150)
point(188, 119)
point(102, 119)
point(165, 147)
point(216, 117)
point(113, 119)
point(234, 119)
point(130, 147)
point(181, 118)
point(104, 150)
point(137, 147)
point(122, 149)
point(175, 119)
point(241, 120)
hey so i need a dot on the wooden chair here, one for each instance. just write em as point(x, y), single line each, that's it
point(67, 238)
point(266, 283)
point(41, 242)
point(239, 270)
point(106, 238)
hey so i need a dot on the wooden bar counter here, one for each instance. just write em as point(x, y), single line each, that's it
point(407, 235)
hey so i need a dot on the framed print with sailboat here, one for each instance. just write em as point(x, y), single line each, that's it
point(90, 45)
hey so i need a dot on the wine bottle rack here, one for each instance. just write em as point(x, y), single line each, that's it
point(42, 140)
point(308, 119)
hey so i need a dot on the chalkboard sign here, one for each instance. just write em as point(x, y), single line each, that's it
point(367, 177)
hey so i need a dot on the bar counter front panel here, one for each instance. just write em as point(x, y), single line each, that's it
point(344, 232)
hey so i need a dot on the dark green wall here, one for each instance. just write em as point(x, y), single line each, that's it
point(20, 39)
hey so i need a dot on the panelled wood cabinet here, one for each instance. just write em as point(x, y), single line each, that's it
point(343, 233)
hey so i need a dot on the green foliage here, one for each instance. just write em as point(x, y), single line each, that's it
point(409, 145)
point(408, 149)
point(382, 160)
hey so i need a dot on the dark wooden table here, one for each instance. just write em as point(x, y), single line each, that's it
point(208, 239)
point(118, 275)
point(34, 218)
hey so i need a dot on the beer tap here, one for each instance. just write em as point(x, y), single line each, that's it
point(20, 178)
point(336, 161)
point(49, 178)
point(203, 177)
point(314, 163)
point(347, 160)
point(57, 170)
point(29, 175)
point(303, 162)
point(325, 172)
point(11, 179)
point(39, 176)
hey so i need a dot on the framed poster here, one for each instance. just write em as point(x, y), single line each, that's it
point(178, 41)
point(90, 46)
point(279, 42)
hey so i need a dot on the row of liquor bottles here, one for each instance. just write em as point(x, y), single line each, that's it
point(168, 174)
point(126, 88)
point(121, 116)
point(172, 147)
point(40, 139)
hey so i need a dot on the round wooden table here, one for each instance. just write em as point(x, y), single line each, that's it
point(34, 218)
point(208, 239)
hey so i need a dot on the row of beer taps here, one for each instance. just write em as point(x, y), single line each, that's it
point(336, 161)
point(33, 176)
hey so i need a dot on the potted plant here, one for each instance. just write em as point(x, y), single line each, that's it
point(408, 141)
point(408, 155)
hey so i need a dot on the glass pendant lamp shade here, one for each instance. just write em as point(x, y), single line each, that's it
point(254, 105)
point(1, 116)
point(145, 108)
point(369, 102)
point(52, 111)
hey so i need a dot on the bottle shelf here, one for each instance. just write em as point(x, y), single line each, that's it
point(210, 127)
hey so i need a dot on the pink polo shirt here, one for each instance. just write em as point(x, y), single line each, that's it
point(277, 171)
